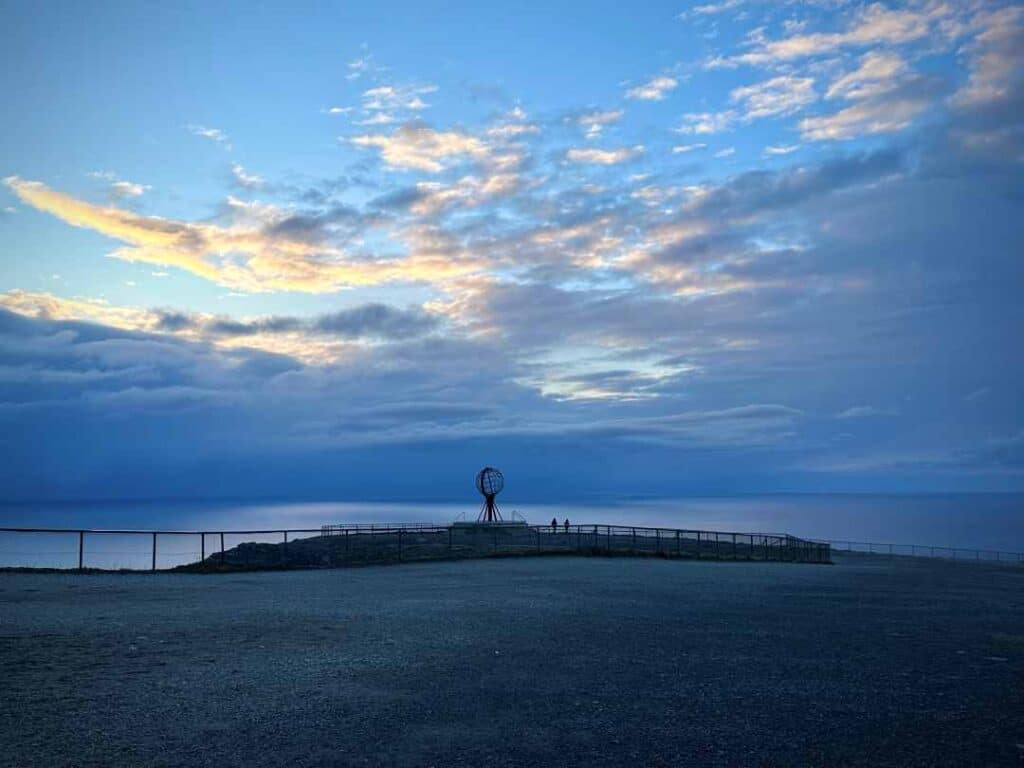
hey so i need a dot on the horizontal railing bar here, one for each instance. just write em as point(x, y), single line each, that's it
point(385, 528)
point(834, 542)
point(133, 531)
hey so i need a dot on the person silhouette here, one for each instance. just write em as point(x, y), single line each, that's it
point(554, 524)
point(567, 525)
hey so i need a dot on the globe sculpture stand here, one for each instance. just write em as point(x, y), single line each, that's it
point(489, 481)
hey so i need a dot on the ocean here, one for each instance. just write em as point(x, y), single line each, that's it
point(983, 521)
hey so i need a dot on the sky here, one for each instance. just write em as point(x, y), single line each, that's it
point(618, 250)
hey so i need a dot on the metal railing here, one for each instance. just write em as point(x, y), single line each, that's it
point(337, 529)
point(346, 544)
point(966, 554)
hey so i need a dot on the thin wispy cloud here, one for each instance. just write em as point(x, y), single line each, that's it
point(246, 179)
point(120, 189)
point(593, 123)
point(655, 89)
point(215, 135)
point(603, 156)
point(421, 148)
point(779, 96)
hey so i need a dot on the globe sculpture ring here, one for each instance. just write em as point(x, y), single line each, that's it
point(490, 481)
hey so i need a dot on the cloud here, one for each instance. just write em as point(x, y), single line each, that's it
point(309, 339)
point(864, 411)
point(512, 130)
point(712, 9)
point(431, 198)
point(379, 118)
point(875, 75)
point(711, 246)
point(213, 134)
point(600, 117)
point(872, 25)
point(778, 96)
point(359, 67)
point(886, 97)
point(594, 122)
point(376, 320)
point(245, 179)
point(424, 149)
point(123, 189)
point(266, 249)
point(703, 123)
point(684, 148)
point(603, 156)
point(995, 60)
point(781, 149)
point(888, 115)
point(727, 152)
point(397, 97)
point(118, 188)
point(655, 89)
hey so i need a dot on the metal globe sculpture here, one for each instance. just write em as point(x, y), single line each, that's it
point(489, 481)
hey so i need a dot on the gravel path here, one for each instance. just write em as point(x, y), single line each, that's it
point(546, 661)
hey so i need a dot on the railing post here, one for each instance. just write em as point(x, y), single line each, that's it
point(399, 544)
point(450, 538)
point(538, 540)
point(657, 540)
point(81, 548)
point(634, 539)
point(698, 545)
point(734, 546)
point(608, 538)
point(222, 548)
point(284, 548)
point(679, 545)
point(202, 548)
point(154, 551)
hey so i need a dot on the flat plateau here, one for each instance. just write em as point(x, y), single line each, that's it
point(555, 661)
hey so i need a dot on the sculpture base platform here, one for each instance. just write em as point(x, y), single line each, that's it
point(489, 524)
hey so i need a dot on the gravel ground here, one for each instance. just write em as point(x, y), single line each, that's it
point(539, 661)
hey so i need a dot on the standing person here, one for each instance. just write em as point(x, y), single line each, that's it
point(554, 525)
point(567, 525)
